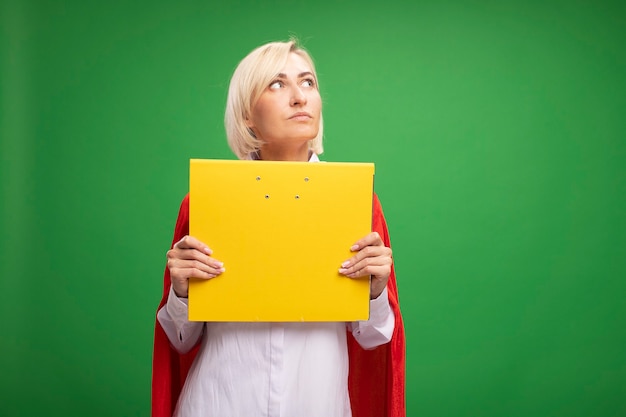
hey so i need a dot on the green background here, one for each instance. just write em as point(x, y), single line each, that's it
point(497, 129)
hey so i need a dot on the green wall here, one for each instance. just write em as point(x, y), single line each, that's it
point(497, 129)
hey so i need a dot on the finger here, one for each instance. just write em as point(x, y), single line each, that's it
point(201, 263)
point(180, 277)
point(190, 242)
point(372, 239)
point(365, 253)
point(191, 254)
point(183, 263)
point(183, 274)
point(379, 271)
point(377, 266)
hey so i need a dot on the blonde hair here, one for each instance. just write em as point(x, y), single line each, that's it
point(251, 77)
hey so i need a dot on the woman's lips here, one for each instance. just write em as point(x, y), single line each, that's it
point(300, 116)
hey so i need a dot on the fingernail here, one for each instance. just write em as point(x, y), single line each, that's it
point(345, 264)
point(354, 247)
point(208, 251)
point(220, 264)
point(342, 270)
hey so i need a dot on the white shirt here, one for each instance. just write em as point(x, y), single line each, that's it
point(269, 369)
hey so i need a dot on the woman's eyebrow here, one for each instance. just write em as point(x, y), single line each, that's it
point(301, 75)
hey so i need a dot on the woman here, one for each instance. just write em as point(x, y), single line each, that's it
point(278, 369)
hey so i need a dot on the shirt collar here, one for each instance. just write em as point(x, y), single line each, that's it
point(254, 156)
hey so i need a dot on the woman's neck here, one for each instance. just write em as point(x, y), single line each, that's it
point(299, 154)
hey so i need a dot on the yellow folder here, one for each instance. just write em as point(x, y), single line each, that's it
point(282, 230)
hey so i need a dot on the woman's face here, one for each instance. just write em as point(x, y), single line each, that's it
point(287, 113)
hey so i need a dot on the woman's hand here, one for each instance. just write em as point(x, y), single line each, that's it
point(372, 258)
point(191, 258)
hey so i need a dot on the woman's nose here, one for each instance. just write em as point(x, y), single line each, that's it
point(298, 98)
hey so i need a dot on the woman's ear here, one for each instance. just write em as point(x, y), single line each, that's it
point(250, 126)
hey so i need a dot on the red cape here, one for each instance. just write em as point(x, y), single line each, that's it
point(376, 377)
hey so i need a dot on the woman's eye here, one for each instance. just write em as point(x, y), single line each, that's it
point(308, 82)
point(276, 85)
